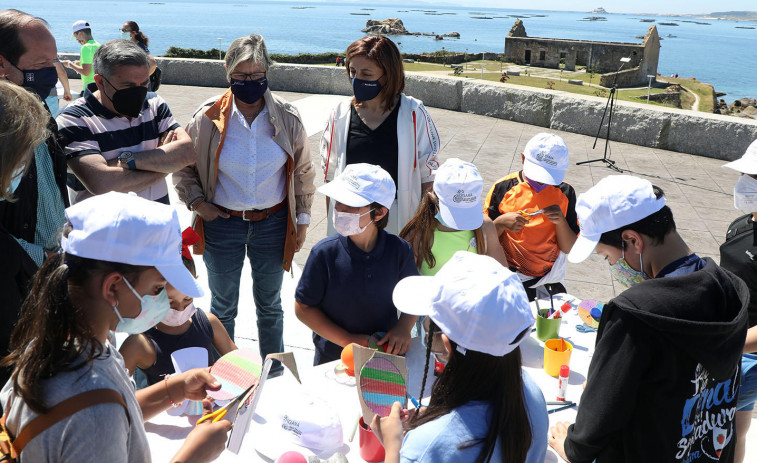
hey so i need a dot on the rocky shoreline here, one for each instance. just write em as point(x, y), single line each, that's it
point(394, 26)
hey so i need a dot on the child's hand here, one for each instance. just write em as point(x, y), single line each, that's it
point(389, 431)
point(397, 341)
point(511, 221)
point(554, 214)
point(195, 381)
point(556, 438)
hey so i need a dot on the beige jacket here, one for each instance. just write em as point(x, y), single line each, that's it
point(208, 131)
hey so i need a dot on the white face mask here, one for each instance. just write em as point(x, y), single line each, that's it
point(745, 194)
point(126, 35)
point(179, 317)
point(348, 223)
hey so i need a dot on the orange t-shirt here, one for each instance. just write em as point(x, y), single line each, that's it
point(534, 250)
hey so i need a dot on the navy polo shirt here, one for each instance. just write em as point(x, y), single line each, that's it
point(352, 287)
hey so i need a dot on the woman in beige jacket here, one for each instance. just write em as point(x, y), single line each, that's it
point(250, 190)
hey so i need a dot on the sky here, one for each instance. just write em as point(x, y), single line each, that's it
point(615, 6)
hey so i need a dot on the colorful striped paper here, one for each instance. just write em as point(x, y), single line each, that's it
point(382, 384)
point(236, 371)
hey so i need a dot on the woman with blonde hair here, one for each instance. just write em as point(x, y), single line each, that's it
point(382, 126)
point(22, 127)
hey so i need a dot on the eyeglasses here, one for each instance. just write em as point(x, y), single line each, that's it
point(125, 30)
point(245, 76)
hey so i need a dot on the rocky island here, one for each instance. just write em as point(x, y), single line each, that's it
point(394, 26)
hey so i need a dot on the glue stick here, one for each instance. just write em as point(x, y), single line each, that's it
point(562, 382)
point(558, 313)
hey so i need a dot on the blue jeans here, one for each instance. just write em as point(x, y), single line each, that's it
point(226, 242)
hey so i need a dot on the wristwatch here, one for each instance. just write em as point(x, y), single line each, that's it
point(127, 157)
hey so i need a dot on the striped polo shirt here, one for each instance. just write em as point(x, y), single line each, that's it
point(87, 128)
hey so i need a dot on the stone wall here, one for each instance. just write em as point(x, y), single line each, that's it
point(710, 135)
point(672, 98)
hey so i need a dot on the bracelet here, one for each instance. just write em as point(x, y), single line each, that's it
point(168, 394)
point(193, 205)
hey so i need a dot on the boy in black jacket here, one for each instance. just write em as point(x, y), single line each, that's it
point(664, 379)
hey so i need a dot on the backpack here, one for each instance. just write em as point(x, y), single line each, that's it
point(11, 447)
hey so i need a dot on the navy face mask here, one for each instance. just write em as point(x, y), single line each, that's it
point(40, 81)
point(365, 90)
point(249, 91)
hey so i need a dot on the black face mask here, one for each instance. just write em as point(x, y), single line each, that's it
point(128, 101)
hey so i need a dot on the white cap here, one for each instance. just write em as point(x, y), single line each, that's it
point(614, 202)
point(546, 159)
point(79, 25)
point(746, 164)
point(474, 300)
point(304, 424)
point(360, 185)
point(458, 185)
point(124, 228)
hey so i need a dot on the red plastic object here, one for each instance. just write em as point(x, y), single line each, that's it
point(292, 457)
point(371, 449)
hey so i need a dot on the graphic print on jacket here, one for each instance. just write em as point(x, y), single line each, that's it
point(708, 415)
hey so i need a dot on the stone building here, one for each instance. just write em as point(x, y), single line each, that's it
point(602, 57)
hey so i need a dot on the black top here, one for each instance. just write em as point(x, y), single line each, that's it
point(665, 371)
point(378, 147)
point(739, 255)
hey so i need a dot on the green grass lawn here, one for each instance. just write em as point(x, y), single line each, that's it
point(705, 92)
point(540, 82)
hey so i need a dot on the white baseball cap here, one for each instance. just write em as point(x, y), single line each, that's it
point(746, 164)
point(360, 185)
point(305, 424)
point(546, 159)
point(79, 25)
point(474, 300)
point(458, 185)
point(124, 228)
point(614, 202)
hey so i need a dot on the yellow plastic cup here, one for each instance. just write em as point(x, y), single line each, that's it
point(556, 353)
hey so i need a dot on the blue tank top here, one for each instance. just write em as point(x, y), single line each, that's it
point(199, 334)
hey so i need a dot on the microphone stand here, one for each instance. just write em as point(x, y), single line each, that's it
point(611, 105)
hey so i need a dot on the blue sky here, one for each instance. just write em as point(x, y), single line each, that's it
point(637, 6)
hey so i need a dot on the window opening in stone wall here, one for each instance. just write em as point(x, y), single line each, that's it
point(542, 55)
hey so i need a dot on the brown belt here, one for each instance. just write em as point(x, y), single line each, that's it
point(254, 215)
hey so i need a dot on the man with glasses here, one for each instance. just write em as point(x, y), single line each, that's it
point(119, 137)
point(250, 190)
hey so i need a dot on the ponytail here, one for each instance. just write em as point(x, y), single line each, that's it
point(419, 231)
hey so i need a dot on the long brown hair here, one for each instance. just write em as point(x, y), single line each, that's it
point(23, 125)
point(52, 334)
point(419, 231)
point(387, 56)
point(475, 376)
point(141, 38)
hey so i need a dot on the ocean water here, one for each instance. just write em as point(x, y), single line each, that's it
point(717, 53)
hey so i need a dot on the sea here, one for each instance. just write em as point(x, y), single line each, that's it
point(720, 52)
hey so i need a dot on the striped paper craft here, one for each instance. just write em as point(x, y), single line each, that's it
point(381, 384)
point(236, 371)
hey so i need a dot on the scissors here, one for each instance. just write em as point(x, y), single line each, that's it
point(531, 214)
point(218, 415)
point(584, 329)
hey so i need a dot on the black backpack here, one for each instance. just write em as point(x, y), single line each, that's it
point(155, 79)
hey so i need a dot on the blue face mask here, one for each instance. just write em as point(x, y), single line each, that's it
point(40, 81)
point(365, 90)
point(154, 309)
point(249, 91)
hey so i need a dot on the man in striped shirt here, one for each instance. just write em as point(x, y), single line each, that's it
point(119, 137)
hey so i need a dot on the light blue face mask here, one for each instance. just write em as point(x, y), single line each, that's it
point(126, 35)
point(154, 309)
point(15, 181)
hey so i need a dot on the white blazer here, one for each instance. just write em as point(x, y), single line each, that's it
point(417, 145)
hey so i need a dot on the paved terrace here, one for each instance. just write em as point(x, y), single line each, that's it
point(698, 190)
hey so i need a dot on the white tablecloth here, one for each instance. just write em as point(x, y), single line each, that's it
point(166, 434)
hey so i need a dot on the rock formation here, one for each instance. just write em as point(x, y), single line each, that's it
point(391, 26)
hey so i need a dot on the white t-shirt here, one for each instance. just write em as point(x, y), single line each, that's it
point(96, 434)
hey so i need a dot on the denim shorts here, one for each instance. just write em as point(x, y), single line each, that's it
point(748, 391)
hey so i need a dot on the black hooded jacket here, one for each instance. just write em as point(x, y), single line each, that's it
point(663, 381)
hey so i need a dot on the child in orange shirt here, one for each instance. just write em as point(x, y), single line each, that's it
point(532, 243)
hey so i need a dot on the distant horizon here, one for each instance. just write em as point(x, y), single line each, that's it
point(670, 7)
